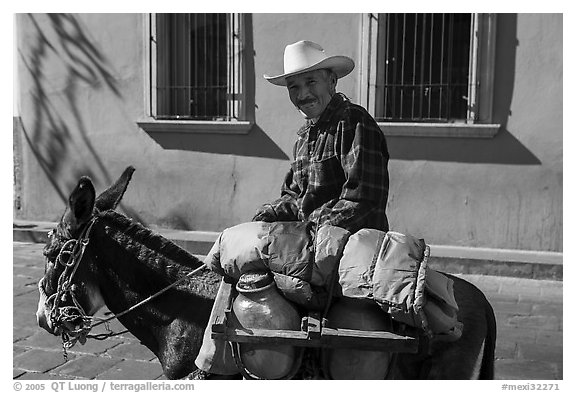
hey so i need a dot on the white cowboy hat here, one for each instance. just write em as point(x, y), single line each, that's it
point(304, 56)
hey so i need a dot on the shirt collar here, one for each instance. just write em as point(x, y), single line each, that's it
point(335, 102)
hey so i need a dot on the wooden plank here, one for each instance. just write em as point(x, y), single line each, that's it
point(315, 335)
point(221, 305)
point(368, 334)
point(369, 340)
point(330, 338)
point(263, 336)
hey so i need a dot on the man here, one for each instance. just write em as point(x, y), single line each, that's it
point(339, 175)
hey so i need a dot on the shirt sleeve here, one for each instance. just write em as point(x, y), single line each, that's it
point(364, 159)
point(284, 208)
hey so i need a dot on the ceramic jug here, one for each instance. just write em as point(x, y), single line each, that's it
point(359, 314)
point(260, 305)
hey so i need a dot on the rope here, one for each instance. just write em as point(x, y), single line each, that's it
point(152, 297)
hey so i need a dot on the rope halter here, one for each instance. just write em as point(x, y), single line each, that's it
point(71, 321)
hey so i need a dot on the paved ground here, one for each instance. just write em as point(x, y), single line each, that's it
point(528, 311)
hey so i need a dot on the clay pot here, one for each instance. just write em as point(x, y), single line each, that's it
point(348, 313)
point(260, 305)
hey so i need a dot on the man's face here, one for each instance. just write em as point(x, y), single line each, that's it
point(311, 91)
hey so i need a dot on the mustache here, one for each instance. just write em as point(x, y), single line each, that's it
point(306, 101)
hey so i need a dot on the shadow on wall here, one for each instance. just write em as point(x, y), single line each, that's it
point(254, 144)
point(50, 138)
point(504, 148)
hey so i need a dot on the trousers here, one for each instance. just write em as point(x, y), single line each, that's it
point(215, 356)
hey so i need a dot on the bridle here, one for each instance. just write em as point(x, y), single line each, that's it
point(72, 321)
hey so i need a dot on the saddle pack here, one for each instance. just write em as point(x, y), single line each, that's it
point(311, 265)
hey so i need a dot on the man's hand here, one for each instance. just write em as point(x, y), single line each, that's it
point(266, 214)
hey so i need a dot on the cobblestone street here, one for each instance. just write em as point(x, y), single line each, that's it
point(528, 311)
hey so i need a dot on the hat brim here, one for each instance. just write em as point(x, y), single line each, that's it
point(340, 65)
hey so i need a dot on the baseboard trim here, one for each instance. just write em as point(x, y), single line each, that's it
point(495, 254)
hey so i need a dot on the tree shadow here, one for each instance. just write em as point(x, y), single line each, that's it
point(50, 137)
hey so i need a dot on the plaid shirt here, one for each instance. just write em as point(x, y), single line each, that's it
point(340, 172)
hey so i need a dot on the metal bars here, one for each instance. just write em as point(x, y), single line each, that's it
point(198, 66)
point(426, 65)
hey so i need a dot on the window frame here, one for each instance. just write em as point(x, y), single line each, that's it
point(482, 59)
point(152, 125)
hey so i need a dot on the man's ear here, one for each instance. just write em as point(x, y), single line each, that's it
point(81, 200)
point(333, 78)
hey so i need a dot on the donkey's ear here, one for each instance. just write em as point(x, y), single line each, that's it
point(110, 198)
point(81, 200)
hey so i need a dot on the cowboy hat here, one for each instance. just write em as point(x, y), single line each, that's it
point(304, 56)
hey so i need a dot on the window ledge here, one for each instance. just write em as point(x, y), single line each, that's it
point(442, 130)
point(199, 127)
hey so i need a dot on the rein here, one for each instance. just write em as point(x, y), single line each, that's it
point(151, 297)
point(63, 317)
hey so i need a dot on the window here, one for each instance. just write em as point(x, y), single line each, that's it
point(196, 67)
point(429, 71)
point(424, 65)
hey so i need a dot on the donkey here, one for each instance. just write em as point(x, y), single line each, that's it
point(96, 256)
point(123, 264)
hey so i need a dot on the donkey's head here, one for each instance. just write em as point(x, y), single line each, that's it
point(67, 295)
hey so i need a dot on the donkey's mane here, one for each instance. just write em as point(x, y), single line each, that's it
point(160, 253)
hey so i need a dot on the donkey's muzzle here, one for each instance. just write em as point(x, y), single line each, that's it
point(42, 312)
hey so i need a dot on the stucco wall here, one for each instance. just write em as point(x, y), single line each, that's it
point(83, 88)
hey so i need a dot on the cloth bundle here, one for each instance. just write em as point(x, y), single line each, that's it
point(389, 268)
point(302, 258)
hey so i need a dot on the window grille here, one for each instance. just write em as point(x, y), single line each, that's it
point(424, 67)
point(198, 67)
